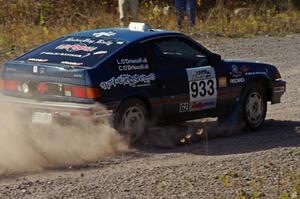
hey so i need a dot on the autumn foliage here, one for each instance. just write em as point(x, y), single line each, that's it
point(28, 23)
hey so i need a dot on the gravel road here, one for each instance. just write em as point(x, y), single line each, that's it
point(262, 164)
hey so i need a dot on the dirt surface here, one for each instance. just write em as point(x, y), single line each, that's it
point(262, 164)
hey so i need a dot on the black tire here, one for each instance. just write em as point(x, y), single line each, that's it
point(132, 119)
point(254, 106)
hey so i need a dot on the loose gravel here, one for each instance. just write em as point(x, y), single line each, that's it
point(262, 164)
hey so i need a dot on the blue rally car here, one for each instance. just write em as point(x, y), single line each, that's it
point(142, 76)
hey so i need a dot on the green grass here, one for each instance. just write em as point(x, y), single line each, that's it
point(285, 183)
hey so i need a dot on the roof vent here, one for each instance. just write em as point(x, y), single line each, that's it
point(137, 26)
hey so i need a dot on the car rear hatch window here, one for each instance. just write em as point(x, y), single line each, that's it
point(74, 51)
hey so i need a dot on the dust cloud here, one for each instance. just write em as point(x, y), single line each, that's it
point(28, 147)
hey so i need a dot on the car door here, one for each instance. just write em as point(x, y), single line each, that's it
point(185, 77)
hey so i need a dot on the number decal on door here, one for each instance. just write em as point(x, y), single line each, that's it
point(202, 88)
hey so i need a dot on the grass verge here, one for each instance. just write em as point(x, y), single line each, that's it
point(23, 32)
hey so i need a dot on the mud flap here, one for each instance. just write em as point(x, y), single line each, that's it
point(232, 123)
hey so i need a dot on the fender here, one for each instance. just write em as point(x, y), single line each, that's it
point(263, 77)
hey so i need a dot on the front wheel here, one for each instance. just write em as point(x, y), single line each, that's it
point(254, 106)
point(132, 119)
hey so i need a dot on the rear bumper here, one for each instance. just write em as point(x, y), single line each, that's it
point(278, 89)
point(57, 109)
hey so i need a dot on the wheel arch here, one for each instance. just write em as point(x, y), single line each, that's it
point(260, 80)
point(141, 98)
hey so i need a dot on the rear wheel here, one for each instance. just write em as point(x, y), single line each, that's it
point(132, 119)
point(254, 106)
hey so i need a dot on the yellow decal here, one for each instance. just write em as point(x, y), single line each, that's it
point(222, 82)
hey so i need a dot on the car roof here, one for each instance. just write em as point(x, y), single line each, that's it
point(124, 34)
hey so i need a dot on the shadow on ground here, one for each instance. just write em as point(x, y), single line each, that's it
point(210, 139)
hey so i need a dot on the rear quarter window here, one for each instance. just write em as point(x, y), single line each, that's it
point(131, 60)
point(74, 51)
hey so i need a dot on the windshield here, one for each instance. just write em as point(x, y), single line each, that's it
point(74, 51)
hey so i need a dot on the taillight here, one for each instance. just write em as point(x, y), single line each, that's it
point(44, 88)
point(11, 85)
point(81, 92)
point(93, 93)
point(1, 84)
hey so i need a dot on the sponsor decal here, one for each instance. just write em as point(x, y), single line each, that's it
point(201, 74)
point(222, 82)
point(71, 63)
point(133, 64)
point(244, 69)
point(78, 40)
point(235, 72)
point(76, 47)
point(280, 89)
point(100, 52)
point(132, 61)
point(256, 73)
point(202, 88)
point(184, 107)
point(237, 80)
point(202, 85)
point(120, 42)
point(66, 54)
point(105, 42)
point(35, 69)
point(104, 34)
point(195, 106)
point(128, 80)
point(42, 70)
point(37, 60)
point(133, 67)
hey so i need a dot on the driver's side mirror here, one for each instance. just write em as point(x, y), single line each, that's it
point(215, 59)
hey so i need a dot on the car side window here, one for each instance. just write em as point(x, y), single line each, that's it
point(178, 52)
point(131, 60)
